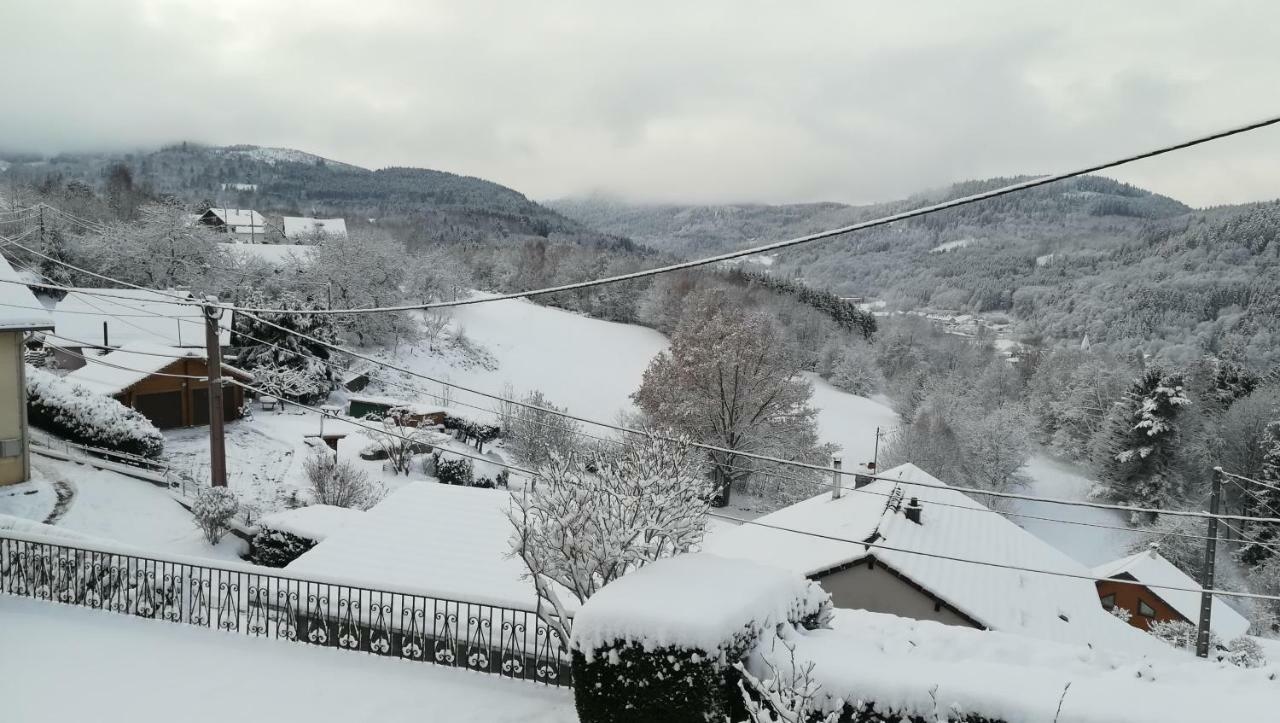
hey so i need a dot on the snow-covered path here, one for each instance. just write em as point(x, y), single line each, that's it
point(63, 663)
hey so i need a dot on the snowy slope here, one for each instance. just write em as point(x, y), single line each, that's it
point(587, 365)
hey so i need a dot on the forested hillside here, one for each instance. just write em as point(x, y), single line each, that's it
point(1131, 269)
point(426, 205)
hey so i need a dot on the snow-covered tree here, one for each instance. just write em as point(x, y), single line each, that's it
point(731, 380)
point(534, 435)
point(286, 364)
point(588, 520)
point(1264, 536)
point(365, 270)
point(1140, 454)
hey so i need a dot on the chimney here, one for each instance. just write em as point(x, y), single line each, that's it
point(912, 512)
point(836, 460)
point(1154, 549)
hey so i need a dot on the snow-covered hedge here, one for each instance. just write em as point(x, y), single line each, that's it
point(73, 412)
point(660, 643)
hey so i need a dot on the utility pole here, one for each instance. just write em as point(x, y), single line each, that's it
point(213, 351)
point(836, 461)
point(875, 456)
point(1210, 554)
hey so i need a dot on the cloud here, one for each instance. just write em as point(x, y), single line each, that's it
point(700, 102)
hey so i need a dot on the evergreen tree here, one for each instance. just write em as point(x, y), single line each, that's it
point(1262, 535)
point(1137, 468)
point(266, 347)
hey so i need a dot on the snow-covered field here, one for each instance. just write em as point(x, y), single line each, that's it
point(64, 663)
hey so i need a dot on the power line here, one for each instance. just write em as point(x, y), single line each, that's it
point(885, 220)
point(722, 450)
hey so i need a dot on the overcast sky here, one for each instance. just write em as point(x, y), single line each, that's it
point(688, 101)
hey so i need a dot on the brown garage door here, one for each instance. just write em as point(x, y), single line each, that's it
point(199, 407)
point(164, 409)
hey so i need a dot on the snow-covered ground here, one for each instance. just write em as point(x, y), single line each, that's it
point(64, 663)
point(1089, 545)
point(115, 507)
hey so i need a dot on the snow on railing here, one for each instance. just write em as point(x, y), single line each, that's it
point(259, 602)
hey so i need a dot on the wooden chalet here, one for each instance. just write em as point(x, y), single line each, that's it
point(156, 381)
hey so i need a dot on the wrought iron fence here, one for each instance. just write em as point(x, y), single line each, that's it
point(503, 641)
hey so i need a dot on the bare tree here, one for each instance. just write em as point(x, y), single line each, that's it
point(399, 438)
point(731, 380)
point(338, 482)
point(588, 521)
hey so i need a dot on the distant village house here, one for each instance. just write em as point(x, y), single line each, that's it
point(247, 226)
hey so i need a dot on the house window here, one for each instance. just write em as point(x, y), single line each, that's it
point(1146, 610)
point(1109, 601)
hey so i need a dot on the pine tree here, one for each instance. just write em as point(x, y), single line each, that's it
point(1143, 441)
point(1262, 535)
point(266, 347)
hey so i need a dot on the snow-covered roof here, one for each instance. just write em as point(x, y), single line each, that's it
point(314, 522)
point(273, 254)
point(953, 525)
point(239, 217)
point(918, 668)
point(295, 226)
point(451, 541)
point(132, 315)
point(1152, 568)
point(19, 308)
point(117, 370)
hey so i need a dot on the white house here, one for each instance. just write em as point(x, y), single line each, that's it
point(246, 225)
point(87, 322)
point(909, 519)
point(20, 313)
point(307, 228)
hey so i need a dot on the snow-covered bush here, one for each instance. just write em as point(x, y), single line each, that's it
point(1244, 652)
point(275, 548)
point(1180, 634)
point(455, 472)
point(1122, 613)
point(661, 643)
point(213, 509)
point(71, 411)
point(785, 695)
point(339, 483)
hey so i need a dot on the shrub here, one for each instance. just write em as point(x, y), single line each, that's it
point(213, 509)
point(1244, 652)
point(455, 472)
point(73, 412)
point(339, 483)
point(630, 684)
point(274, 548)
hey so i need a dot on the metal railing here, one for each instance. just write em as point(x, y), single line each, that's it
point(252, 601)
